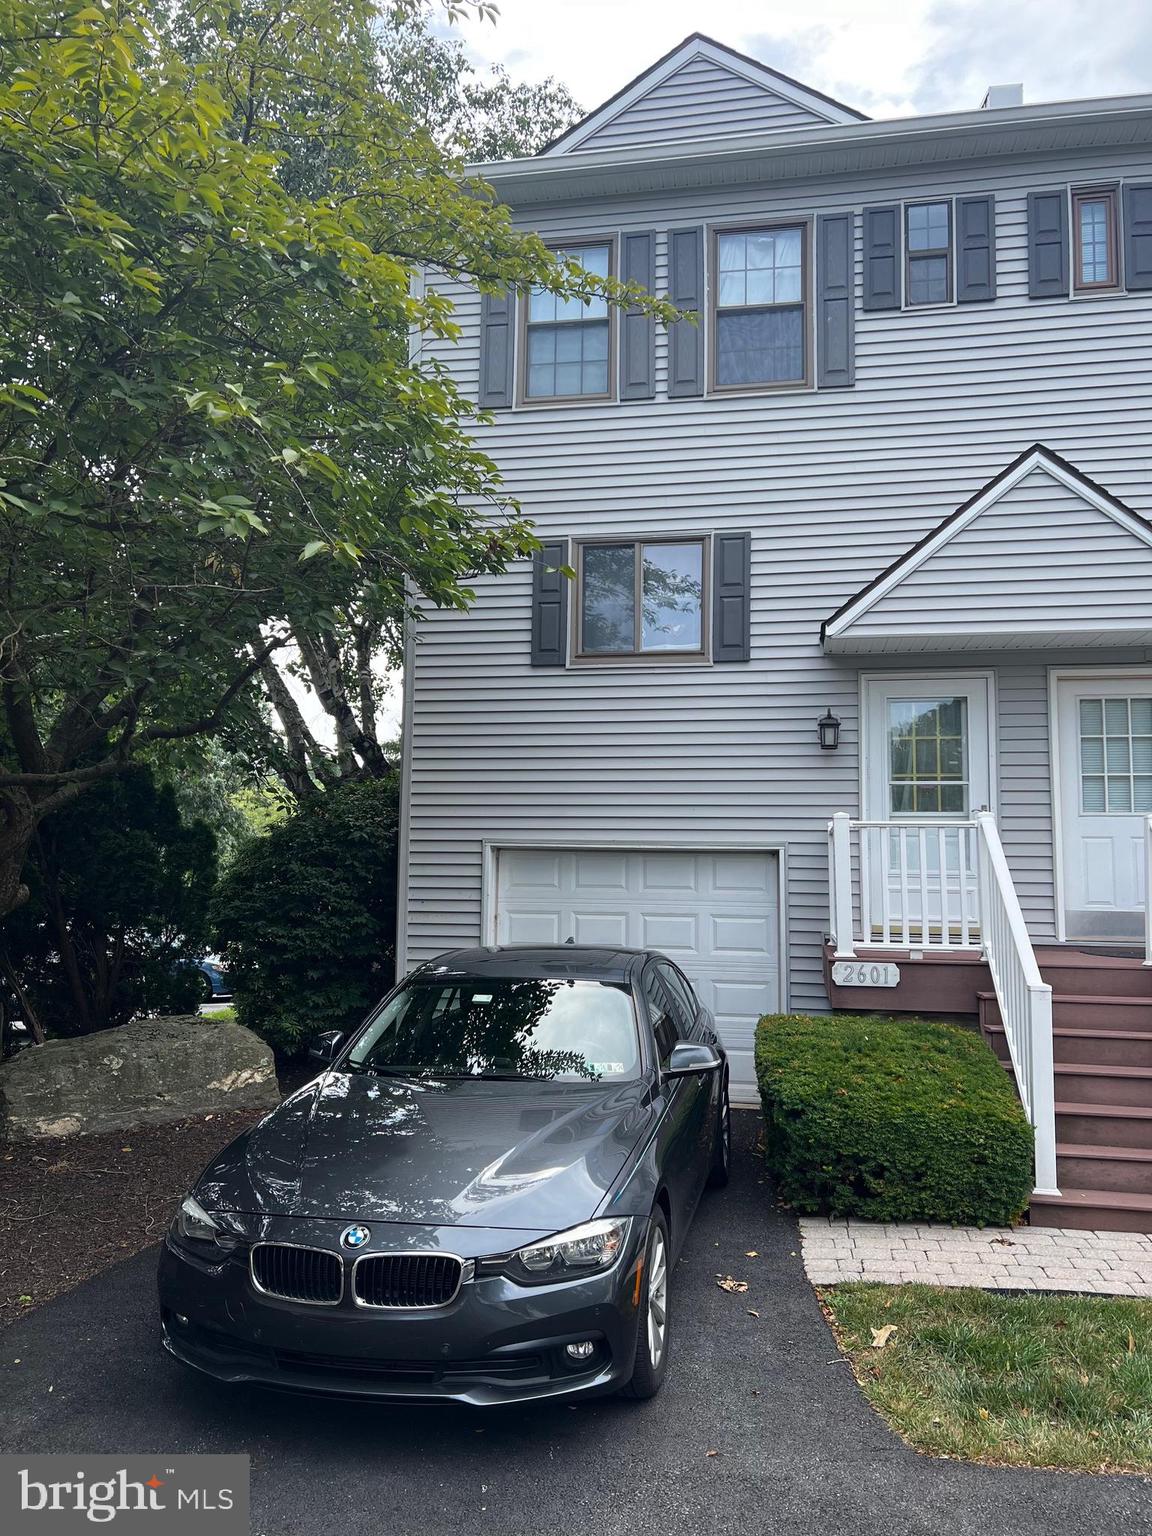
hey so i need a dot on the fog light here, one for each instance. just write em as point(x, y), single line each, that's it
point(580, 1351)
point(181, 1319)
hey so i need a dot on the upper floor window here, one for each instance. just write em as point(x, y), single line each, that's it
point(928, 252)
point(567, 343)
point(760, 309)
point(641, 597)
point(1095, 242)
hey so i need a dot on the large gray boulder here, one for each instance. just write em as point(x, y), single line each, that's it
point(140, 1074)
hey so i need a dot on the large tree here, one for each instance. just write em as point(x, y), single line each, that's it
point(213, 438)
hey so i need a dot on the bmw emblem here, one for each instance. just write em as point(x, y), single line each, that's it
point(355, 1237)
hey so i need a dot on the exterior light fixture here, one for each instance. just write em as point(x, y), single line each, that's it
point(828, 730)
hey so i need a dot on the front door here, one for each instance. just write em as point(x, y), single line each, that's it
point(927, 766)
point(1104, 726)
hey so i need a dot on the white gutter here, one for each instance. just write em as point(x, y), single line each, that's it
point(836, 148)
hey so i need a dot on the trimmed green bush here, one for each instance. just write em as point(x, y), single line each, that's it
point(891, 1119)
point(306, 916)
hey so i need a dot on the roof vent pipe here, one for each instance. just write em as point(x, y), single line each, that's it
point(1004, 96)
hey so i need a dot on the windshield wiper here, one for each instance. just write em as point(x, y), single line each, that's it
point(379, 1071)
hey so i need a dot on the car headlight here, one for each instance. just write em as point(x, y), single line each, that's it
point(194, 1225)
point(583, 1250)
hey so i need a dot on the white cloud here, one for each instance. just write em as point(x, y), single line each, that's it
point(886, 57)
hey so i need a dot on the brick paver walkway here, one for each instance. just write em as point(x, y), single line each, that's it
point(991, 1258)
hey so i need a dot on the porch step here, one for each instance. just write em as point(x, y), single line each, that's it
point(1096, 1047)
point(1121, 1087)
point(1077, 972)
point(1102, 1125)
point(1127, 1170)
point(1094, 1210)
point(1102, 1010)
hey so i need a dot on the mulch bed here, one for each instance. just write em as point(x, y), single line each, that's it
point(72, 1205)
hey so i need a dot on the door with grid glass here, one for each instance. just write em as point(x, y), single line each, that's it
point(928, 767)
point(1105, 747)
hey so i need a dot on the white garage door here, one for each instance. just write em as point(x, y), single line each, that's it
point(715, 914)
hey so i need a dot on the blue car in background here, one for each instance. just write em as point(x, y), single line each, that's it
point(216, 986)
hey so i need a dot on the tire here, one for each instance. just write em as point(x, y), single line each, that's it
point(650, 1364)
point(720, 1171)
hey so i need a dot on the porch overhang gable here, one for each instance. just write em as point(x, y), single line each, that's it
point(1041, 557)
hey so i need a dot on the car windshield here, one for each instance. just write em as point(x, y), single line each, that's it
point(573, 1031)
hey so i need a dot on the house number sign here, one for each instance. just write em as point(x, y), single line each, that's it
point(865, 973)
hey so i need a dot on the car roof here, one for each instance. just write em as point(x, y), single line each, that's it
point(592, 962)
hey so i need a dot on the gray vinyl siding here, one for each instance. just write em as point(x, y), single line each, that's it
point(833, 486)
point(1082, 570)
point(702, 100)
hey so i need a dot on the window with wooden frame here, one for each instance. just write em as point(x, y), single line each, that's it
point(760, 308)
point(1094, 241)
point(928, 253)
point(641, 597)
point(567, 343)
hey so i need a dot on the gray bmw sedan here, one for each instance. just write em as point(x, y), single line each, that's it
point(480, 1198)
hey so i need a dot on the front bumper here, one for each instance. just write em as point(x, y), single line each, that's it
point(496, 1342)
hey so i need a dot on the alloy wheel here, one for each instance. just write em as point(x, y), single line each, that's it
point(657, 1298)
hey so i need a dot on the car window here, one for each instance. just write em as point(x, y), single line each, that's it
point(682, 995)
point(508, 1028)
point(664, 1026)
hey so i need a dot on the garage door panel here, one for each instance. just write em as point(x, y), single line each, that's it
point(715, 913)
point(745, 935)
point(673, 932)
point(530, 928)
point(609, 928)
point(669, 872)
point(601, 872)
point(735, 874)
point(530, 868)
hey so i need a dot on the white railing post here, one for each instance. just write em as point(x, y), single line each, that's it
point(840, 879)
point(1025, 999)
point(1148, 890)
point(1043, 1092)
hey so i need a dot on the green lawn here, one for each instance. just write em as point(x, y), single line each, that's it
point(1044, 1381)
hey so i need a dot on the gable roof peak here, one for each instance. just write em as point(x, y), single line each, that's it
point(698, 45)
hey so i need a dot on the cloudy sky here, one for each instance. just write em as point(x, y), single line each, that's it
point(885, 57)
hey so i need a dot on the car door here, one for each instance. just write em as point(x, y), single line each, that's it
point(676, 1145)
point(706, 1085)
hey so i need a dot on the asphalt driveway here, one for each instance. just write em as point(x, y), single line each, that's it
point(796, 1447)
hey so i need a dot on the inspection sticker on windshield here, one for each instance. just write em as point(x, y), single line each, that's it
point(481, 997)
point(605, 1067)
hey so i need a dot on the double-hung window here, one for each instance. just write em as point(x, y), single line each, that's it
point(641, 597)
point(1095, 245)
point(760, 313)
point(928, 253)
point(568, 343)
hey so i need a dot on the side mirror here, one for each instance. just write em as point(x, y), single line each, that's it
point(688, 1058)
point(326, 1047)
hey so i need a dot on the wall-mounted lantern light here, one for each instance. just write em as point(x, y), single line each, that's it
point(828, 730)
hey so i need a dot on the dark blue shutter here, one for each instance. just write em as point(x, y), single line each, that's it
point(1138, 236)
point(637, 329)
point(497, 328)
point(975, 249)
point(686, 291)
point(550, 605)
point(1048, 245)
point(881, 258)
point(835, 301)
point(731, 596)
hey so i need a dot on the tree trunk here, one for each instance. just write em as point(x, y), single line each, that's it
point(17, 825)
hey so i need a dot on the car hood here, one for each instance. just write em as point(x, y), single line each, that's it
point(528, 1155)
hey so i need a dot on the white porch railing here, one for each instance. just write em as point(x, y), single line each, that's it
point(1148, 890)
point(945, 885)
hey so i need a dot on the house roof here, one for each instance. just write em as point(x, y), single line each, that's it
point(1040, 555)
point(698, 45)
